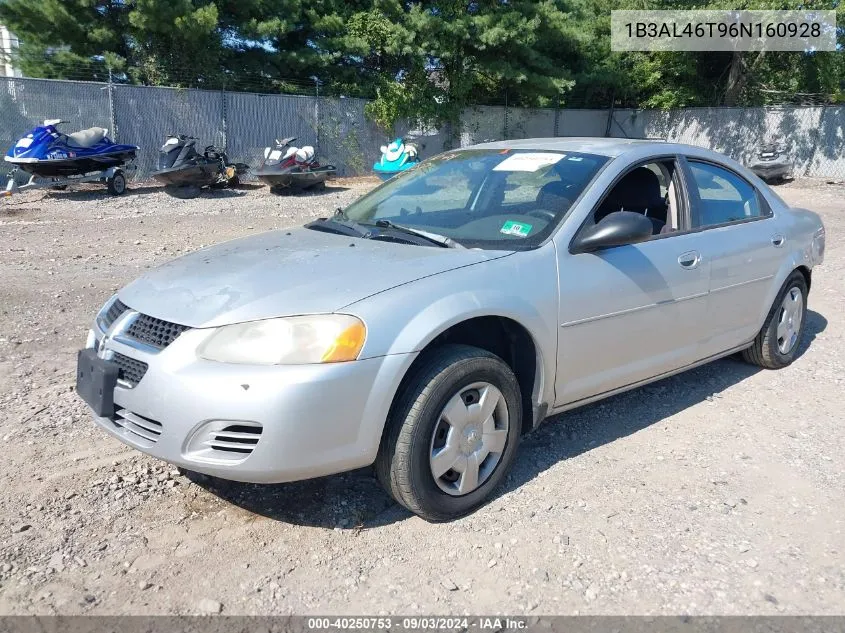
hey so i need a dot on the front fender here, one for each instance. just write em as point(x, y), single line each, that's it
point(405, 319)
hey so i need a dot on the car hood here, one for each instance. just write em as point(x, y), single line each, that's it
point(284, 273)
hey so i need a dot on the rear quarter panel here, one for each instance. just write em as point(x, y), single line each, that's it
point(798, 226)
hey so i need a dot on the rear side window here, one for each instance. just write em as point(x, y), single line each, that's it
point(723, 196)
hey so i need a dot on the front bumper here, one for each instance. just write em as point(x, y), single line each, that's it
point(308, 420)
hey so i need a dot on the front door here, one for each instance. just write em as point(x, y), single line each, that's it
point(629, 313)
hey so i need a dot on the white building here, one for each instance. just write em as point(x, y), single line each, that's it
point(8, 46)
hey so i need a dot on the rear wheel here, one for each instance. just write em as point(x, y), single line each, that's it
point(452, 434)
point(117, 183)
point(778, 341)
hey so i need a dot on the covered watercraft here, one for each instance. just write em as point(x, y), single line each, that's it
point(395, 158)
point(57, 159)
point(184, 170)
point(286, 166)
point(771, 163)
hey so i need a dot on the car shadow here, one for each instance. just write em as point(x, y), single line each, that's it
point(355, 501)
point(314, 191)
point(97, 193)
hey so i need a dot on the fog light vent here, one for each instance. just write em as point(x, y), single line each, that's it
point(223, 441)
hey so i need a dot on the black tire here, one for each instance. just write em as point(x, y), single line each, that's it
point(117, 184)
point(765, 351)
point(402, 465)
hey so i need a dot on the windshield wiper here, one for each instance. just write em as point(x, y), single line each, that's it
point(339, 223)
point(434, 238)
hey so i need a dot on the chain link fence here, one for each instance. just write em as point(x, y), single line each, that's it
point(245, 123)
point(813, 137)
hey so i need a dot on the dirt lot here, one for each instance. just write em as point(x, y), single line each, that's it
point(720, 491)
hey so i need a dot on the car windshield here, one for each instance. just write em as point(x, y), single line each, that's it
point(487, 198)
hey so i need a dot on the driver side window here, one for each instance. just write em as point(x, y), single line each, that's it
point(648, 189)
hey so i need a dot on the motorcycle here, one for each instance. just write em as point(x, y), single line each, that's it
point(396, 157)
point(286, 166)
point(84, 156)
point(184, 171)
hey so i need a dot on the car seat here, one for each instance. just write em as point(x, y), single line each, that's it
point(639, 191)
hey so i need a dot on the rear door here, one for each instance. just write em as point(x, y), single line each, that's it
point(738, 233)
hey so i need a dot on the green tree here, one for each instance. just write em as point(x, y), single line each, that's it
point(155, 41)
point(67, 38)
point(433, 58)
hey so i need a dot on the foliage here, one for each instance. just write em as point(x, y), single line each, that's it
point(422, 61)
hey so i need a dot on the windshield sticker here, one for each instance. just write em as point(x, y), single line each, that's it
point(516, 228)
point(575, 159)
point(528, 161)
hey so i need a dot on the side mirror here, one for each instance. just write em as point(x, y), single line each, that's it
point(615, 229)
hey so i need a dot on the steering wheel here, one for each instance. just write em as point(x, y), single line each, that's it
point(543, 214)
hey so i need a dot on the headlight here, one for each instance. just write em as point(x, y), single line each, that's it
point(321, 338)
point(101, 315)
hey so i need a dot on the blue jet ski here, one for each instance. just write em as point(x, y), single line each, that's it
point(45, 152)
point(395, 158)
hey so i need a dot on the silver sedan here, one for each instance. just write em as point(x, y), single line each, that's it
point(428, 326)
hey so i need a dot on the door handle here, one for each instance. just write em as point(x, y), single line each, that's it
point(690, 259)
point(778, 240)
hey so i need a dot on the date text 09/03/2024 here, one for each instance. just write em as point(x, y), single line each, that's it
point(492, 623)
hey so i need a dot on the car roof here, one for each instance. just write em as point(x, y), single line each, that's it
point(610, 147)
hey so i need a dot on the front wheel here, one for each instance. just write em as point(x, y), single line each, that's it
point(452, 433)
point(777, 343)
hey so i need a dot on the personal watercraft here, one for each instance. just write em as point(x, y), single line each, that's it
point(61, 159)
point(771, 163)
point(286, 166)
point(395, 158)
point(184, 170)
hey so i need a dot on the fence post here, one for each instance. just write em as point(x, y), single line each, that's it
point(225, 121)
point(610, 113)
point(317, 115)
point(557, 116)
point(505, 121)
point(112, 117)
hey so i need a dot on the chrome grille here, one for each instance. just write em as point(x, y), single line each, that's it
point(139, 429)
point(114, 311)
point(130, 370)
point(155, 332)
point(235, 438)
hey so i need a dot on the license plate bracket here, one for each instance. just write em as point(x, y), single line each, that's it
point(95, 382)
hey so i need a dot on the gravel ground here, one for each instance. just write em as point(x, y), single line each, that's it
point(719, 491)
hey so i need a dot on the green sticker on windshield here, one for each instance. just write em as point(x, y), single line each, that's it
point(515, 228)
